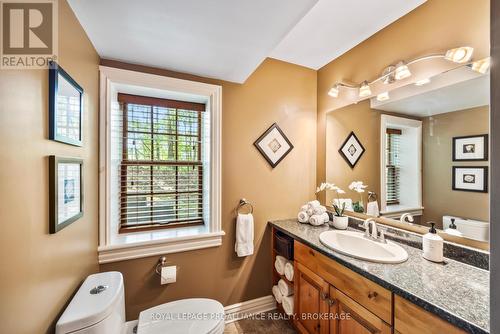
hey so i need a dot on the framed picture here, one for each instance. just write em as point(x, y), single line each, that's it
point(273, 145)
point(470, 179)
point(65, 192)
point(65, 107)
point(470, 148)
point(352, 150)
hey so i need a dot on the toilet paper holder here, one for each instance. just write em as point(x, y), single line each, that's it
point(162, 262)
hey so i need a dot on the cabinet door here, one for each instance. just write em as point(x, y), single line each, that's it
point(311, 296)
point(352, 318)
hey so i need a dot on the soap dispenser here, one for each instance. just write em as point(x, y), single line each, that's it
point(433, 245)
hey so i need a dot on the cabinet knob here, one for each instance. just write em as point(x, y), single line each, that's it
point(331, 302)
point(372, 295)
point(324, 295)
point(311, 252)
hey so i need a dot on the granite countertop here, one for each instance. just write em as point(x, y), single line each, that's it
point(454, 291)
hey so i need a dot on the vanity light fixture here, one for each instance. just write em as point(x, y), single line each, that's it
point(402, 71)
point(459, 55)
point(365, 90)
point(422, 82)
point(481, 66)
point(383, 96)
point(334, 91)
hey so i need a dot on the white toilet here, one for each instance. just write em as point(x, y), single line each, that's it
point(99, 308)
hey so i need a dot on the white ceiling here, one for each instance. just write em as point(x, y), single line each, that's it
point(333, 27)
point(227, 39)
point(437, 98)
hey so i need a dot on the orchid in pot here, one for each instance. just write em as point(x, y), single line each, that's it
point(358, 187)
point(340, 221)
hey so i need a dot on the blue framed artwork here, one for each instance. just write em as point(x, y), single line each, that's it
point(65, 107)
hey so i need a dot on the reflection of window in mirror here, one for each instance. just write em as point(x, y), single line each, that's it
point(401, 166)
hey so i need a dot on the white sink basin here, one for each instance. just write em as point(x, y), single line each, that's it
point(356, 245)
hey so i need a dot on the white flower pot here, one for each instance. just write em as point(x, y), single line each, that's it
point(340, 223)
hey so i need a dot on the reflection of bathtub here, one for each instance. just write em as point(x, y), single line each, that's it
point(472, 229)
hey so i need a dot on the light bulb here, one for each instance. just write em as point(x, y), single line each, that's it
point(334, 91)
point(364, 90)
point(383, 96)
point(402, 71)
point(481, 66)
point(459, 55)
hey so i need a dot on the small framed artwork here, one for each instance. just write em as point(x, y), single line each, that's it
point(273, 145)
point(65, 107)
point(352, 150)
point(470, 148)
point(470, 179)
point(65, 192)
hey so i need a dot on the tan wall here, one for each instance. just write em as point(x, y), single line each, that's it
point(438, 197)
point(39, 272)
point(433, 27)
point(365, 123)
point(276, 92)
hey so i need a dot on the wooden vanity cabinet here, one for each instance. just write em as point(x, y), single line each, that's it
point(329, 298)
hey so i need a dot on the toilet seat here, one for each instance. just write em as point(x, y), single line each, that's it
point(186, 316)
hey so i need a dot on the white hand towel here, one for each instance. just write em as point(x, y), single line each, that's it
point(319, 210)
point(304, 207)
point(287, 303)
point(244, 235)
point(313, 204)
point(286, 290)
point(317, 220)
point(289, 271)
point(303, 217)
point(279, 264)
point(372, 209)
point(277, 294)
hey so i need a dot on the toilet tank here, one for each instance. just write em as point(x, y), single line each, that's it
point(472, 229)
point(97, 308)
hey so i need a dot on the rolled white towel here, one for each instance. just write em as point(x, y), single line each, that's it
point(310, 212)
point(279, 264)
point(277, 294)
point(326, 217)
point(285, 288)
point(289, 271)
point(319, 210)
point(303, 217)
point(304, 207)
point(317, 220)
point(313, 204)
point(287, 303)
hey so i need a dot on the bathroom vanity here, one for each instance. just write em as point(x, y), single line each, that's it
point(336, 293)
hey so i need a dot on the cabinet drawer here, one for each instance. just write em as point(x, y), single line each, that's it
point(411, 319)
point(370, 295)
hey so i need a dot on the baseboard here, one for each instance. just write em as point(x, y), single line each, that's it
point(250, 307)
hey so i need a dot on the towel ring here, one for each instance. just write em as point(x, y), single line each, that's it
point(242, 204)
point(372, 196)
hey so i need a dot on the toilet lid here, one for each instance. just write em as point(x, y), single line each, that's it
point(186, 316)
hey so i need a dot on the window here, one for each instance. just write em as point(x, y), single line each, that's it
point(159, 165)
point(392, 168)
point(161, 173)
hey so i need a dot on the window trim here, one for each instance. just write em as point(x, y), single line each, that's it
point(112, 248)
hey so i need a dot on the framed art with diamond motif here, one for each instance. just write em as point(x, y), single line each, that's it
point(273, 145)
point(352, 150)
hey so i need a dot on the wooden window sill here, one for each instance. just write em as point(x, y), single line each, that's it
point(158, 242)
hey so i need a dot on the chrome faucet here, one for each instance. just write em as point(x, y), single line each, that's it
point(406, 218)
point(374, 235)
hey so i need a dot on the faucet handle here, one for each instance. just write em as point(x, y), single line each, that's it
point(382, 237)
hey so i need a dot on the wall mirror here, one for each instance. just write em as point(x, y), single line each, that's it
point(426, 154)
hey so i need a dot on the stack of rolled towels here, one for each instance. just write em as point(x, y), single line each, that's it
point(313, 213)
point(283, 291)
